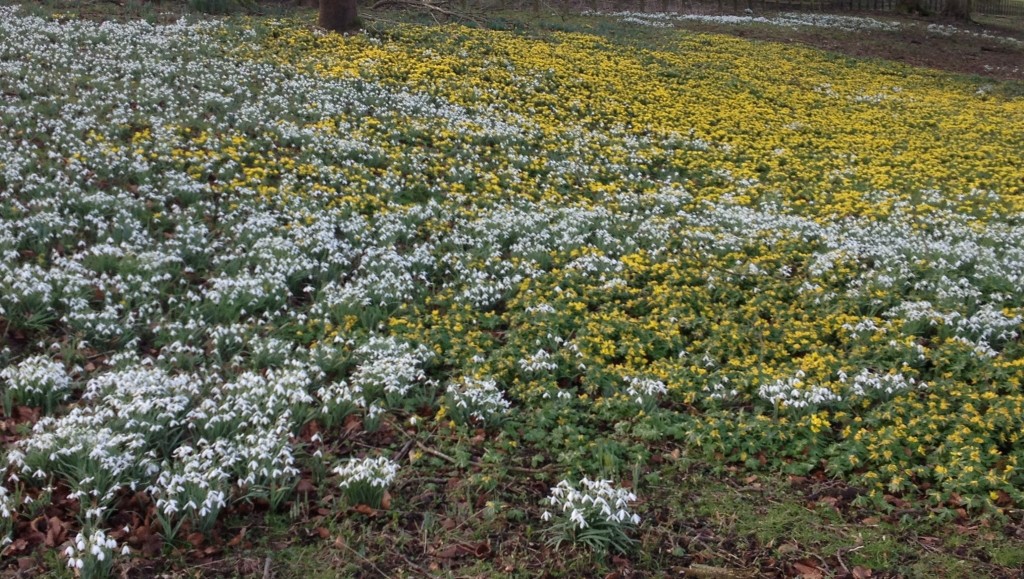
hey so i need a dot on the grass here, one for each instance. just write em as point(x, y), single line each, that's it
point(760, 527)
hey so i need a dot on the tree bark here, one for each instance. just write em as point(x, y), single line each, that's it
point(959, 9)
point(338, 15)
point(914, 7)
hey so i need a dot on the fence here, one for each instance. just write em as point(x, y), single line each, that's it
point(1000, 7)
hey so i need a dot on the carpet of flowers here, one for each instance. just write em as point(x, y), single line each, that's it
point(212, 236)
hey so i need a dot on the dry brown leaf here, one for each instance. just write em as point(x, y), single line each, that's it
point(701, 571)
point(449, 552)
point(828, 501)
point(861, 572)
point(353, 424)
point(153, 545)
point(483, 550)
point(27, 414)
point(787, 548)
point(807, 570)
point(896, 501)
point(18, 546)
point(55, 532)
point(305, 486)
point(237, 539)
point(365, 510)
point(310, 429)
point(26, 564)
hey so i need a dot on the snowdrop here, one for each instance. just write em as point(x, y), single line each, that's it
point(593, 512)
point(91, 554)
point(365, 480)
point(476, 399)
point(644, 391)
point(794, 393)
point(36, 381)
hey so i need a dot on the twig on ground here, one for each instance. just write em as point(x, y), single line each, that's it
point(404, 451)
point(443, 456)
point(839, 556)
point(479, 464)
point(432, 8)
point(421, 479)
point(436, 453)
point(412, 565)
point(365, 560)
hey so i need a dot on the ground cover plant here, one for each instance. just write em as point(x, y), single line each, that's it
point(526, 287)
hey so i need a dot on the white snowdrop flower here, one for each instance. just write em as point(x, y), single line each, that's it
point(479, 399)
point(592, 502)
point(793, 393)
point(389, 366)
point(379, 472)
point(37, 381)
point(643, 390)
point(91, 549)
point(868, 383)
point(540, 361)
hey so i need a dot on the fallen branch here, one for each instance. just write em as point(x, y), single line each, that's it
point(475, 463)
point(709, 572)
point(430, 7)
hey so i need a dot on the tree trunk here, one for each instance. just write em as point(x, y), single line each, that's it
point(915, 7)
point(959, 9)
point(338, 15)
